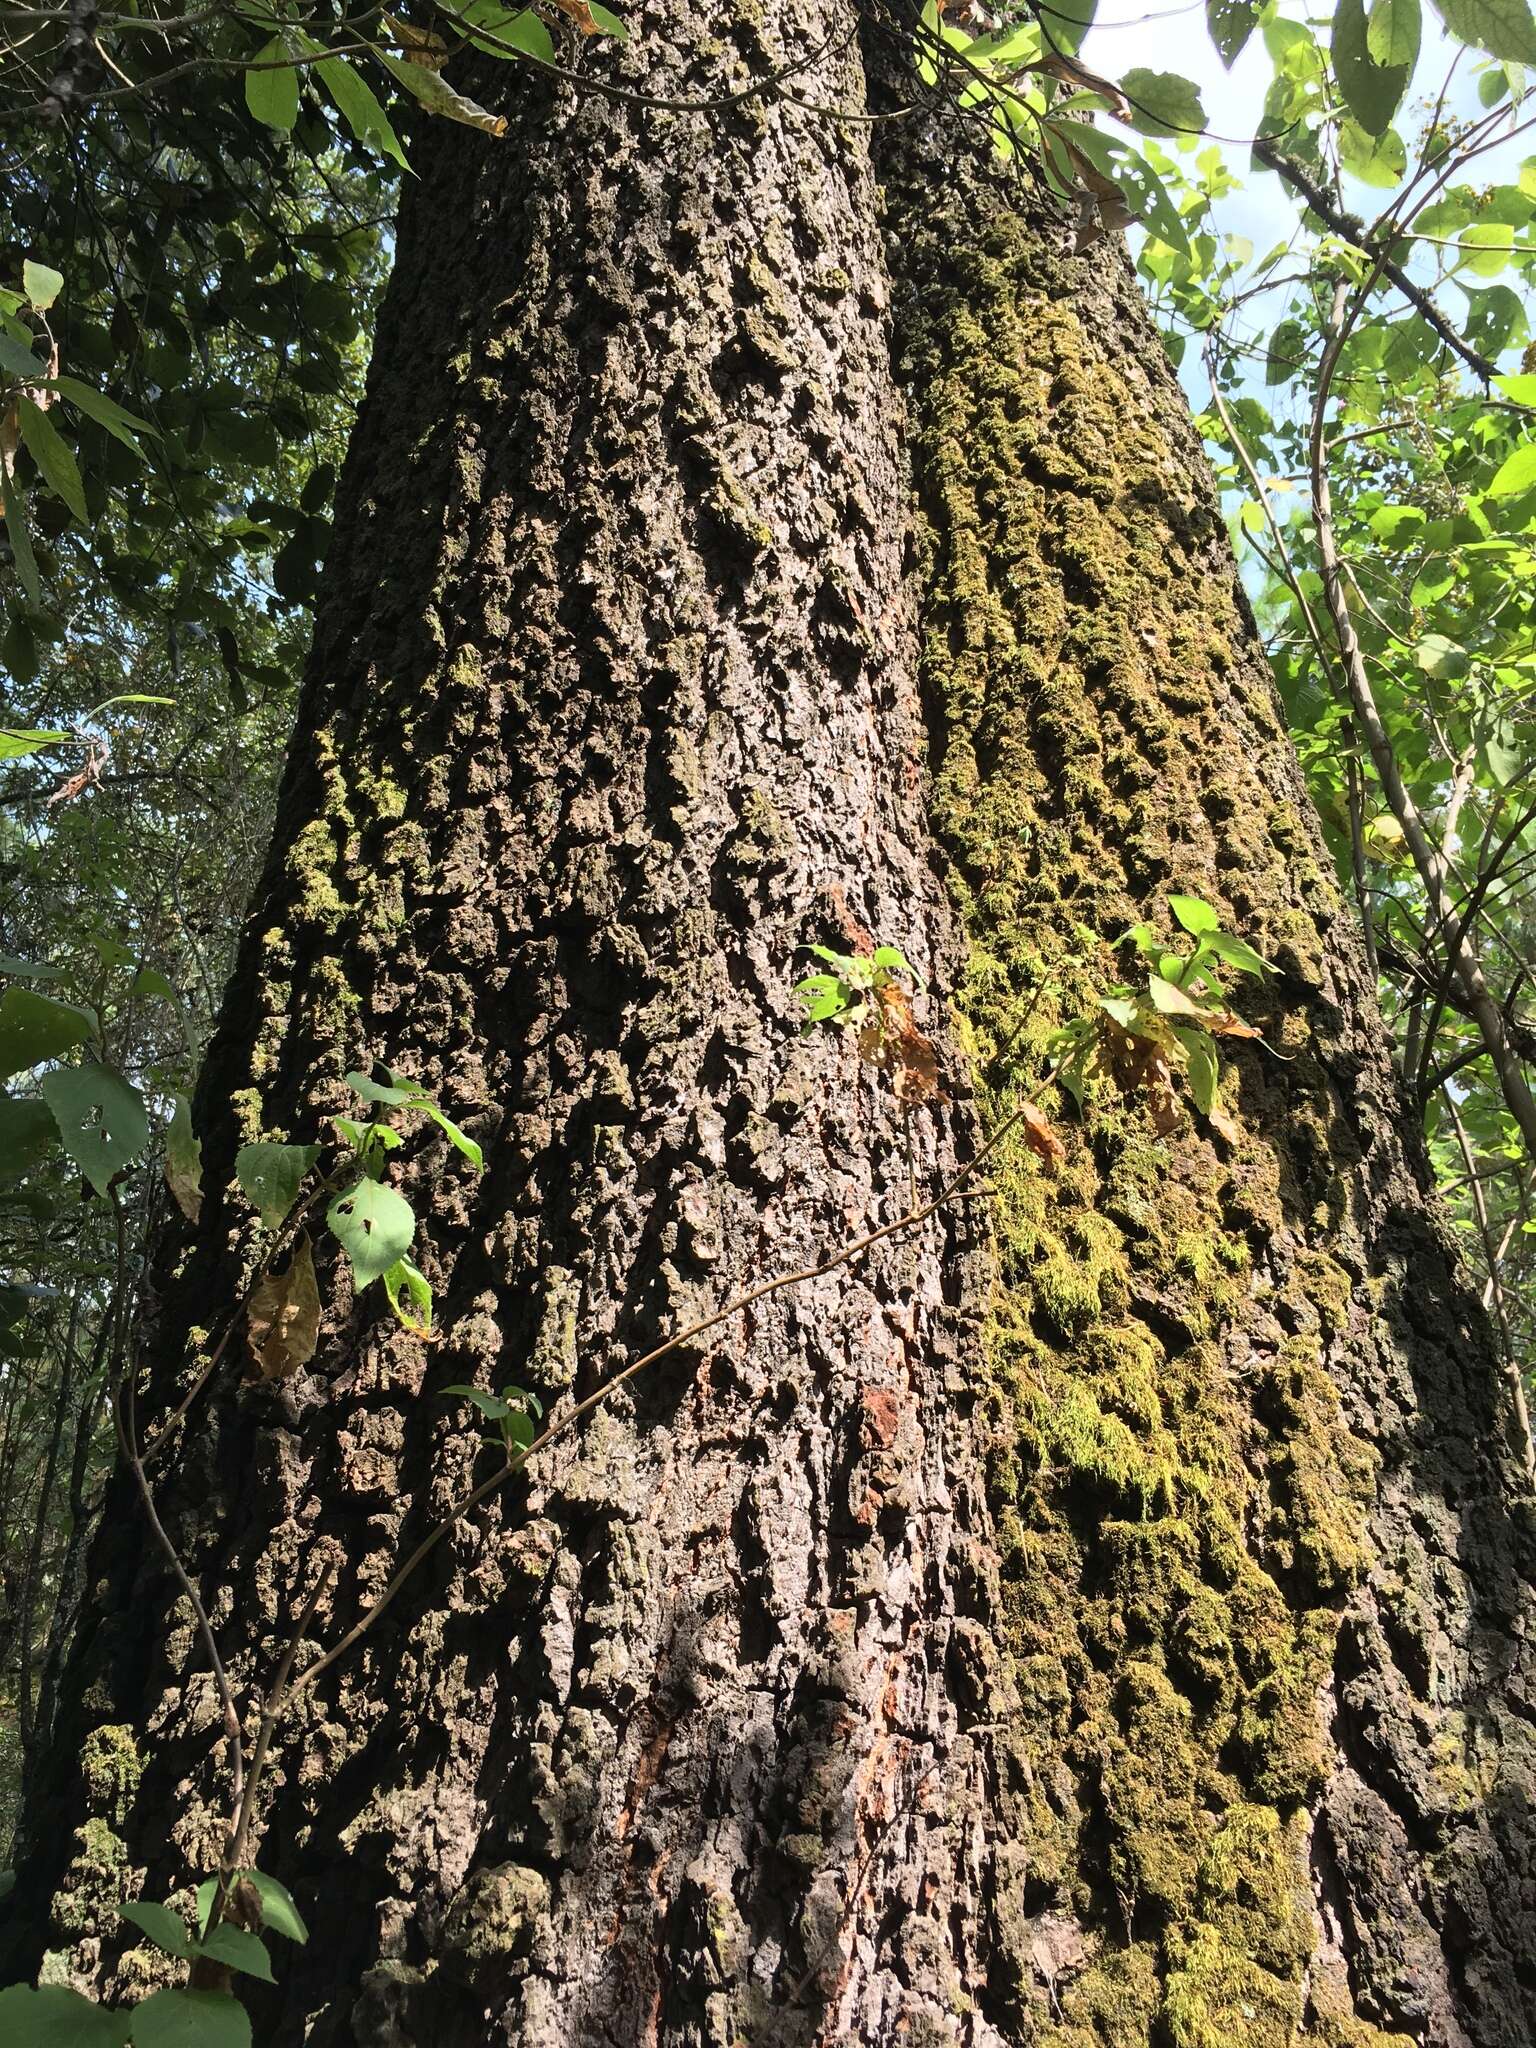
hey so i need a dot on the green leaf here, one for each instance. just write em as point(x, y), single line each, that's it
point(14, 744)
point(19, 533)
point(1377, 160)
point(1287, 347)
point(277, 1908)
point(273, 95)
point(1203, 1069)
point(408, 1288)
point(1485, 247)
point(466, 1145)
point(125, 697)
point(53, 455)
point(34, 1028)
point(27, 1132)
point(1397, 525)
point(1522, 389)
point(1516, 473)
point(149, 981)
point(238, 1950)
point(167, 1930)
point(207, 1892)
point(1392, 33)
point(41, 283)
point(891, 956)
point(17, 360)
point(54, 2017)
point(374, 1226)
point(1502, 756)
point(928, 36)
point(106, 412)
point(1495, 318)
point(1141, 189)
point(191, 2019)
point(184, 1161)
point(101, 1118)
point(1234, 952)
point(1195, 915)
point(491, 1405)
point(1008, 48)
point(1163, 103)
point(607, 20)
point(522, 30)
point(271, 1175)
point(1437, 656)
point(370, 1141)
point(1231, 23)
point(1372, 91)
point(1503, 28)
point(356, 102)
point(400, 1093)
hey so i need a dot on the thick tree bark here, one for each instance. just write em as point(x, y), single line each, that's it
point(1096, 1617)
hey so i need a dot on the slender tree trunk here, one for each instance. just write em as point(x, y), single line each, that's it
point(1095, 1617)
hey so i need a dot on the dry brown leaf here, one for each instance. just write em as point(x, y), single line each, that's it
point(417, 45)
point(1057, 64)
point(1220, 1122)
point(1139, 1063)
point(580, 13)
point(910, 1057)
point(1226, 1024)
point(1041, 1138)
point(10, 421)
point(77, 784)
point(282, 1319)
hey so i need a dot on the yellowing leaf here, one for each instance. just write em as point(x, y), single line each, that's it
point(41, 283)
point(1172, 1000)
point(438, 97)
point(184, 1162)
point(282, 1319)
point(419, 44)
point(1383, 837)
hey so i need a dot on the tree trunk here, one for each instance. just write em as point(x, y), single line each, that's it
point(1095, 1616)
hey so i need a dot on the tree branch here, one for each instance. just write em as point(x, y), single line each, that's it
point(1350, 230)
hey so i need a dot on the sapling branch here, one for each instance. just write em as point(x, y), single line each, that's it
point(123, 1417)
point(1467, 969)
point(283, 1692)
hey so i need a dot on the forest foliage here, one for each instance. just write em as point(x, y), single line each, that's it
point(192, 250)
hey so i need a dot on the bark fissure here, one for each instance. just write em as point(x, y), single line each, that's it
point(1232, 1430)
point(1094, 1620)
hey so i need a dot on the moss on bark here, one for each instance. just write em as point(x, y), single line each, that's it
point(1183, 1506)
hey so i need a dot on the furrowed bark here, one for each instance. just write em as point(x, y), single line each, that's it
point(1096, 1622)
point(1265, 1533)
point(612, 711)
